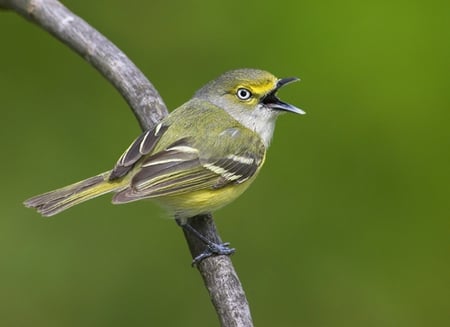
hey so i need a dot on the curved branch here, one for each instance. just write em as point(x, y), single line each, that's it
point(218, 273)
point(219, 276)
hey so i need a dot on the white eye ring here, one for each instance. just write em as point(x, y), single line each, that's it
point(243, 94)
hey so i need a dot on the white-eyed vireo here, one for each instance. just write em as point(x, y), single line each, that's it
point(199, 158)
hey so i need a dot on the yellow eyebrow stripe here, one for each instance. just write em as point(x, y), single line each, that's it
point(260, 88)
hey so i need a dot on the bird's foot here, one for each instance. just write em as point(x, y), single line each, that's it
point(213, 249)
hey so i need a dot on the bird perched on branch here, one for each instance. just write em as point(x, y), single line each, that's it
point(196, 160)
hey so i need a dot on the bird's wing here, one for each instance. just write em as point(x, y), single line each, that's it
point(188, 165)
point(140, 147)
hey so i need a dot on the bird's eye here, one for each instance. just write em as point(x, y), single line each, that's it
point(243, 94)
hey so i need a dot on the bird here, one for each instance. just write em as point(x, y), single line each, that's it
point(199, 158)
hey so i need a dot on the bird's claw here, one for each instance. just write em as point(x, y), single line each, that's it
point(214, 249)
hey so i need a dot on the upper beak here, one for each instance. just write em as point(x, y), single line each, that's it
point(272, 101)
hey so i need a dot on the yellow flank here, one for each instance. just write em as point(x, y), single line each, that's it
point(205, 201)
point(202, 201)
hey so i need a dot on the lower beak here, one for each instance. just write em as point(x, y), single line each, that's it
point(271, 100)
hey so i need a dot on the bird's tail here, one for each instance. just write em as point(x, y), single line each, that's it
point(53, 202)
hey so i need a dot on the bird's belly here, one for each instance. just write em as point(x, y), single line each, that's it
point(202, 201)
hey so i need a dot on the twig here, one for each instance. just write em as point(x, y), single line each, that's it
point(220, 278)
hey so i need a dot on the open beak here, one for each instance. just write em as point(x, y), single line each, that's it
point(272, 101)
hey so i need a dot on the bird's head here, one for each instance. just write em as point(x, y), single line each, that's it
point(248, 89)
point(249, 95)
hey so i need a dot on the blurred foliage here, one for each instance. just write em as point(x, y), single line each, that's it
point(348, 224)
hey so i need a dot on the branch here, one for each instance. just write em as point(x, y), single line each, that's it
point(219, 276)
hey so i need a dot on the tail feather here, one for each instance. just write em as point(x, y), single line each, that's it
point(53, 202)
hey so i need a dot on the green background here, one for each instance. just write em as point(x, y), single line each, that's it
point(348, 223)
